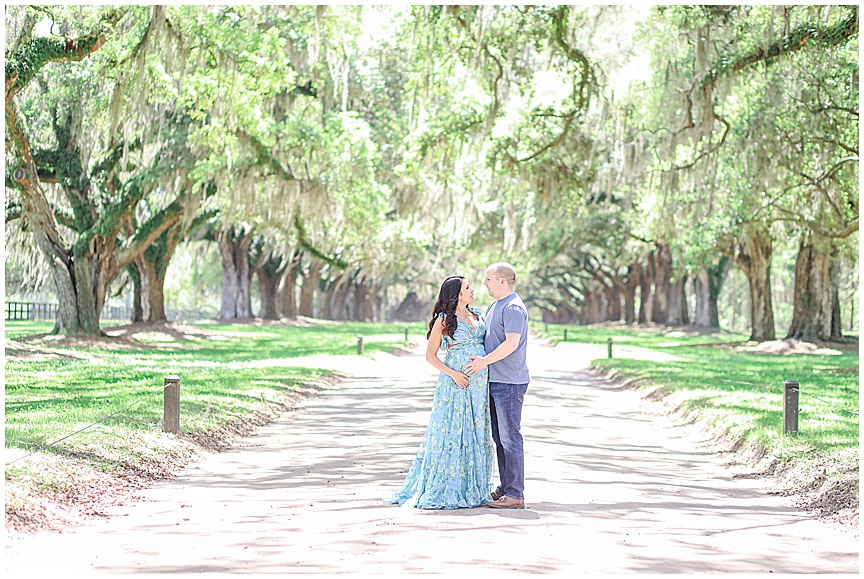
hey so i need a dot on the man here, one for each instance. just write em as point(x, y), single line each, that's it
point(506, 345)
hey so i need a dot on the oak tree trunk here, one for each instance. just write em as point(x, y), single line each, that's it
point(361, 293)
point(331, 310)
point(705, 317)
point(662, 284)
point(678, 314)
point(754, 258)
point(613, 296)
point(631, 282)
point(707, 285)
point(816, 307)
point(646, 280)
point(234, 245)
point(149, 281)
point(269, 268)
point(590, 309)
point(289, 289)
point(310, 286)
point(339, 307)
point(267, 287)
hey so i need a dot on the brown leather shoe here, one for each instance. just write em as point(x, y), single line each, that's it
point(506, 502)
point(496, 495)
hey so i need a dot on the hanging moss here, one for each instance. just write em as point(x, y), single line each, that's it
point(800, 38)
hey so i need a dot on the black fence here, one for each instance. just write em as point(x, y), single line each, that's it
point(30, 311)
point(40, 311)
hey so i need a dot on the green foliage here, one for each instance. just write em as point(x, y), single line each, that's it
point(403, 143)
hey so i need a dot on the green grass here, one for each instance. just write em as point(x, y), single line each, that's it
point(21, 328)
point(739, 391)
point(226, 371)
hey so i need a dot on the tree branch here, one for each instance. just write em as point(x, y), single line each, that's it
point(303, 241)
point(559, 17)
point(796, 40)
point(493, 109)
point(36, 53)
point(709, 149)
point(816, 183)
point(149, 232)
point(263, 156)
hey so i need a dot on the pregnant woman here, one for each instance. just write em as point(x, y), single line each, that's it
point(453, 468)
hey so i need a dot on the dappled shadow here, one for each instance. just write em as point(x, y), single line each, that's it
point(610, 486)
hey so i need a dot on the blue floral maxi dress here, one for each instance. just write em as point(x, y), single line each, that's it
point(453, 468)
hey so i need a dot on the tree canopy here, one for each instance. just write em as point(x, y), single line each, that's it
point(353, 156)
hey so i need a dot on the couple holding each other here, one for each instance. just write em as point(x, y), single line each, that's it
point(476, 392)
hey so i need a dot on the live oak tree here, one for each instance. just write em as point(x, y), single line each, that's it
point(738, 112)
point(352, 156)
point(79, 181)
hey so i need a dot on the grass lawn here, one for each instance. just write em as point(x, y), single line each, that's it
point(230, 374)
point(220, 366)
point(738, 389)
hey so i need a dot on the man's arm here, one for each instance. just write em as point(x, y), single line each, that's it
point(507, 347)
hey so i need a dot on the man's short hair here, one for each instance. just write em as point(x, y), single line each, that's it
point(504, 270)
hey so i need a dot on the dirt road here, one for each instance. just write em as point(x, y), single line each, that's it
point(611, 487)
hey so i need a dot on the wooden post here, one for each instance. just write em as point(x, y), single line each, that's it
point(406, 333)
point(171, 414)
point(790, 407)
point(359, 344)
point(609, 347)
point(565, 334)
point(546, 328)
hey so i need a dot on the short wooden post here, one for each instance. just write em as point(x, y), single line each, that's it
point(790, 407)
point(546, 328)
point(609, 347)
point(359, 344)
point(565, 334)
point(406, 333)
point(171, 414)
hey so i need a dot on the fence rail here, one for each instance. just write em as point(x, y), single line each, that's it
point(43, 311)
point(30, 311)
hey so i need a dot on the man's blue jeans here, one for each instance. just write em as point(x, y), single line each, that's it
point(505, 408)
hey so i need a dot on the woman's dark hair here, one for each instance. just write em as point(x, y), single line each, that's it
point(448, 299)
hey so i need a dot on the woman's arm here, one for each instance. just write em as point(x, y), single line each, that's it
point(432, 355)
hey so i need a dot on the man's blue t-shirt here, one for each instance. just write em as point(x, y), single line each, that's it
point(505, 316)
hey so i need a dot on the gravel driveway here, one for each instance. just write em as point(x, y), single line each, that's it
point(612, 486)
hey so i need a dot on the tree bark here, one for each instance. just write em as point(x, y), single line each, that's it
point(705, 317)
point(289, 287)
point(137, 299)
point(707, 285)
point(149, 291)
point(610, 305)
point(754, 258)
point(816, 307)
point(340, 307)
point(309, 288)
point(331, 310)
point(646, 280)
point(269, 268)
point(369, 304)
point(631, 282)
point(413, 309)
point(611, 310)
point(234, 245)
point(361, 293)
point(662, 284)
point(678, 314)
point(267, 288)
point(590, 309)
